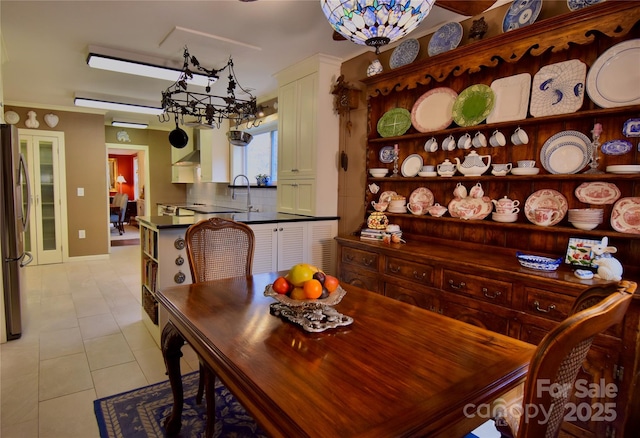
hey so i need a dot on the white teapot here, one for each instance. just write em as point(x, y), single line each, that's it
point(473, 164)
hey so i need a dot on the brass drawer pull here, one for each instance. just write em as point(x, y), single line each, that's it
point(418, 276)
point(347, 256)
point(457, 286)
point(367, 262)
point(495, 295)
point(394, 269)
point(549, 309)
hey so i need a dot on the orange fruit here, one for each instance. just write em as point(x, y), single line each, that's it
point(331, 283)
point(312, 289)
point(282, 285)
point(298, 294)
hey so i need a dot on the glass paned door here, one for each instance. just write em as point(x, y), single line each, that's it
point(47, 195)
point(29, 236)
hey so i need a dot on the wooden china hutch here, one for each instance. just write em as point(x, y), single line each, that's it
point(467, 269)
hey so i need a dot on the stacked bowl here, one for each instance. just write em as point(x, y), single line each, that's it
point(586, 218)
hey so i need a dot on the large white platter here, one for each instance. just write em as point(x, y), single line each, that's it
point(558, 88)
point(597, 193)
point(434, 109)
point(512, 98)
point(566, 152)
point(614, 77)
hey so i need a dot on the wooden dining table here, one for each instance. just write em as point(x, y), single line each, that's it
point(396, 370)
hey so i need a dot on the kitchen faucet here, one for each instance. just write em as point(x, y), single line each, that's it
point(233, 190)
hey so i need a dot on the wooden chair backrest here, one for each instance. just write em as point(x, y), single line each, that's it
point(559, 356)
point(219, 248)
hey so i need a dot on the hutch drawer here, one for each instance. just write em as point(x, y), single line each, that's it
point(486, 289)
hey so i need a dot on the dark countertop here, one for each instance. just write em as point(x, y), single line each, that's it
point(245, 217)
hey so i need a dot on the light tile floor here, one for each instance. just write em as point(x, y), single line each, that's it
point(83, 339)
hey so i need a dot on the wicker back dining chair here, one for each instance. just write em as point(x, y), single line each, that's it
point(558, 358)
point(218, 248)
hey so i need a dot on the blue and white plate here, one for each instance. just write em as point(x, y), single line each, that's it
point(405, 53)
point(521, 13)
point(631, 128)
point(558, 88)
point(386, 154)
point(574, 5)
point(566, 152)
point(446, 38)
point(616, 147)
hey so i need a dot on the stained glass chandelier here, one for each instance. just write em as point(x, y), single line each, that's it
point(375, 22)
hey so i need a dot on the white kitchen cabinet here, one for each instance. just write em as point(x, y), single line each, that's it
point(279, 246)
point(44, 152)
point(297, 196)
point(308, 137)
point(215, 154)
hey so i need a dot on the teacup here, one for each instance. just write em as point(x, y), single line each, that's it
point(428, 168)
point(505, 205)
point(544, 216)
point(379, 206)
point(502, 167)
point(437, 210)
point(464, 142)
point(431, 145)
point(479, 140)
point(476, 191)
point(497, 139)
point(519, 137)
point(460, 191)
point(416, 208)
point(511, 210)
point(527, 163)
point(449, 143)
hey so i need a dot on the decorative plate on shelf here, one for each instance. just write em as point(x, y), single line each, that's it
point(422, 195)
point(394, 122)
point(434, 109)
point(521, 13)
point(614, 77)
point(566, 152)
point(597, 193)
point(616, 147)
point(446, 38)
point(480, 207)
point(411, 165)
point(631, 128)
point(574, 5)
point(405, 53)
point(512, 98)
point(11, 117)
point(386, 196)
point(558, 88)
point(473, 105)
point(624, 169)
point(625, 216)
point(386, 154)
point(546, 198)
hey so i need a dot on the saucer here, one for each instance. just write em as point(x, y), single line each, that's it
point(525, 170)
point(428, 174)
point(501, 173)
point(447, 174)
point(504, 217)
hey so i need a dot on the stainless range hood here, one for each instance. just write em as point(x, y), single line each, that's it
point(192, 158)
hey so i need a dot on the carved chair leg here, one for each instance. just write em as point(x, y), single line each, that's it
point(172, 343)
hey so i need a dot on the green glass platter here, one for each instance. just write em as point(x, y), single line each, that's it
point(473, 105)
point(394, 122)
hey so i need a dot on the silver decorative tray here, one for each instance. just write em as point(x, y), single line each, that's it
point(312, 315)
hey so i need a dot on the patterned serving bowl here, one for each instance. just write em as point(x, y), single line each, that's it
point(538, 262)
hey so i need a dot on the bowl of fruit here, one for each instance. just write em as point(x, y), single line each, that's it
point(306, 285)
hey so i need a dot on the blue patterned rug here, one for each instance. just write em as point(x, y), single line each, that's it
point(141, 412)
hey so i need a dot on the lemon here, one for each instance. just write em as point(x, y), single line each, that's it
point(300, 273)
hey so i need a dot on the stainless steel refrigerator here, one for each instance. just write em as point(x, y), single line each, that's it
point(14, 219)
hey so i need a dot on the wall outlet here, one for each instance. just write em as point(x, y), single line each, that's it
point(80, 191)
point(81, 234)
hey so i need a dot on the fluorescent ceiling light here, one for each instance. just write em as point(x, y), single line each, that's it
point(129, 125)
point(115, 106)
point(120, 65)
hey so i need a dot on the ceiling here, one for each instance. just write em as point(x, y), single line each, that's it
point(45, 45)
